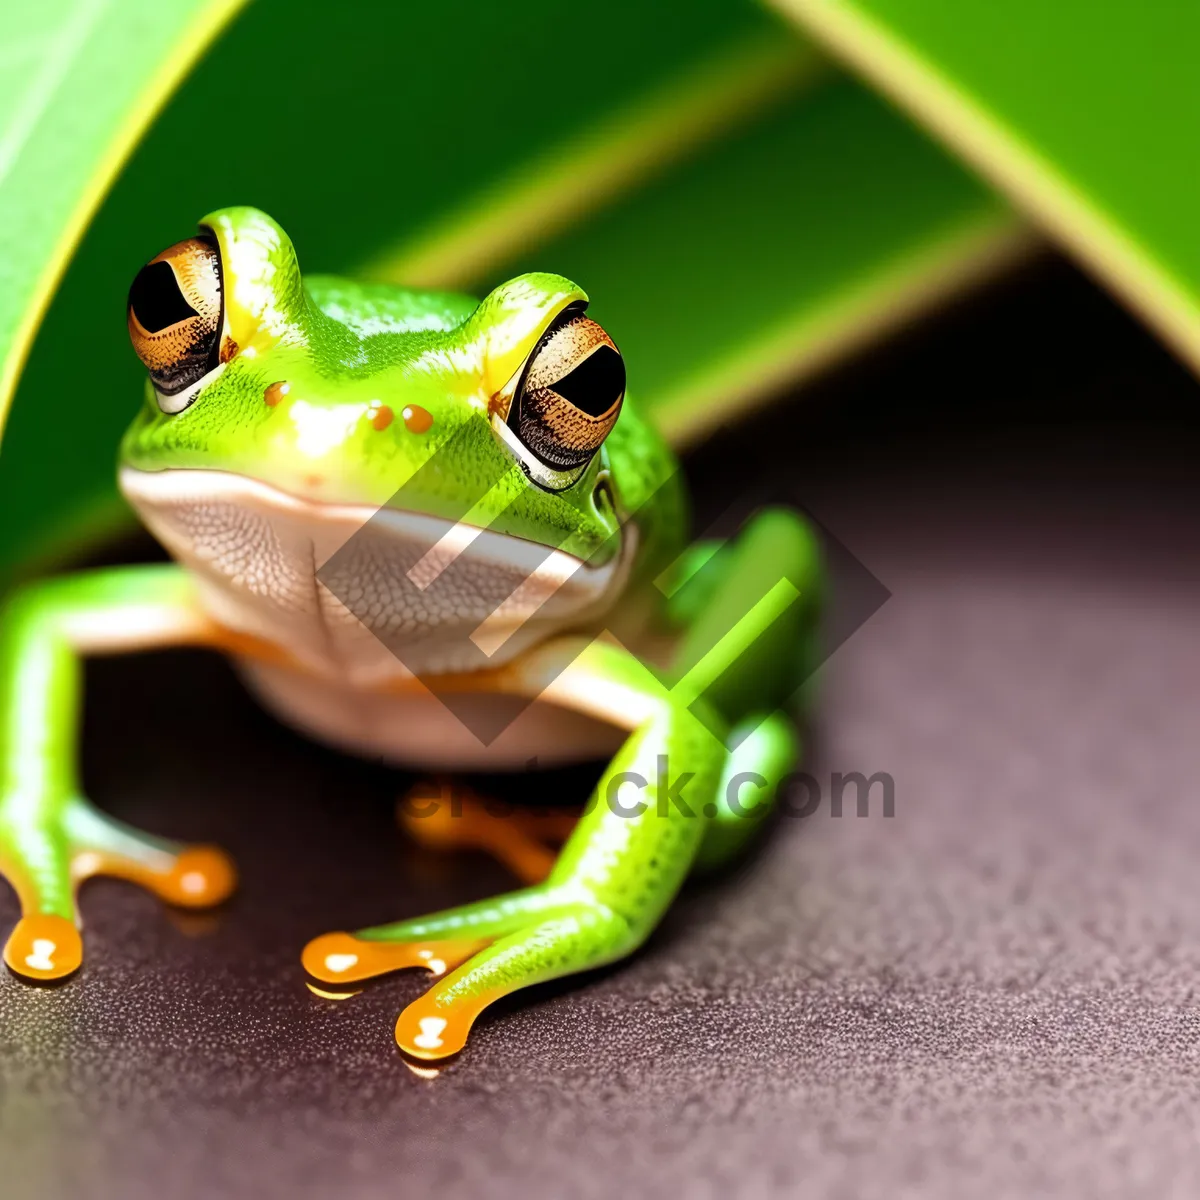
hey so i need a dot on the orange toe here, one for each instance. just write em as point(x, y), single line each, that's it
point(44, 947)
point(202, 876)
point(344, 958)
point(430, 1031)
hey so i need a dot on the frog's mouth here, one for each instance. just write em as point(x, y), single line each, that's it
point(335, 582)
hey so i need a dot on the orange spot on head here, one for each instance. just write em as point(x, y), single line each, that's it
point(274, 392)
point(313, 481)
point(417, 419)
point(382, 417)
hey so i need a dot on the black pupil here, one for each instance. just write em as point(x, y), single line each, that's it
point(596, 384)
point(156, 299)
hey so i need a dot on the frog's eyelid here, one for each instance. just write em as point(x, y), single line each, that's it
point(174, 405)
point(502, 400)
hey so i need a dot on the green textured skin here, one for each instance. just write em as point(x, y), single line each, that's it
point(740, 614)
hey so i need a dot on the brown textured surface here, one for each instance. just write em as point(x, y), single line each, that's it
point(993, 992)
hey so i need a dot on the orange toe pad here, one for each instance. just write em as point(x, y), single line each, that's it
point(344, 958)
point(196, 877)
point(430, 1031)
point(202, 876)
point(44, 947)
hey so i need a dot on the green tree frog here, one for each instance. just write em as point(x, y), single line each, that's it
point(315, 455)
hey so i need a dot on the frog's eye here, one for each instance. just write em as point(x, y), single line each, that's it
point(570, 396)
point(174, 318)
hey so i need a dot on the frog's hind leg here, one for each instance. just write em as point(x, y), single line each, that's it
point(447, 816)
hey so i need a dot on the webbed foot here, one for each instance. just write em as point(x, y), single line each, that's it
point(482, 951)
point(46, 857)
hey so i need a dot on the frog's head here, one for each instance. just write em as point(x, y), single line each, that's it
point(320, 406)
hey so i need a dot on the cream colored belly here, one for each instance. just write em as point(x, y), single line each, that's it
point(417, 730)
point(362, 600)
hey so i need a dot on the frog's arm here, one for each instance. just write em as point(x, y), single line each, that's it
point(673, 796)
point(51, 838)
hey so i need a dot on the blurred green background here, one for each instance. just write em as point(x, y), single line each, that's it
point(733, 205)
point(741, 209)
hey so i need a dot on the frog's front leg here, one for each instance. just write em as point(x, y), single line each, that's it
point(663, 804)
point(51, 837)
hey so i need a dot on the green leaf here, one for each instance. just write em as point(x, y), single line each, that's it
point(1086, 114)
point(378, 139)
point(627, 151)
point(79, 82)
